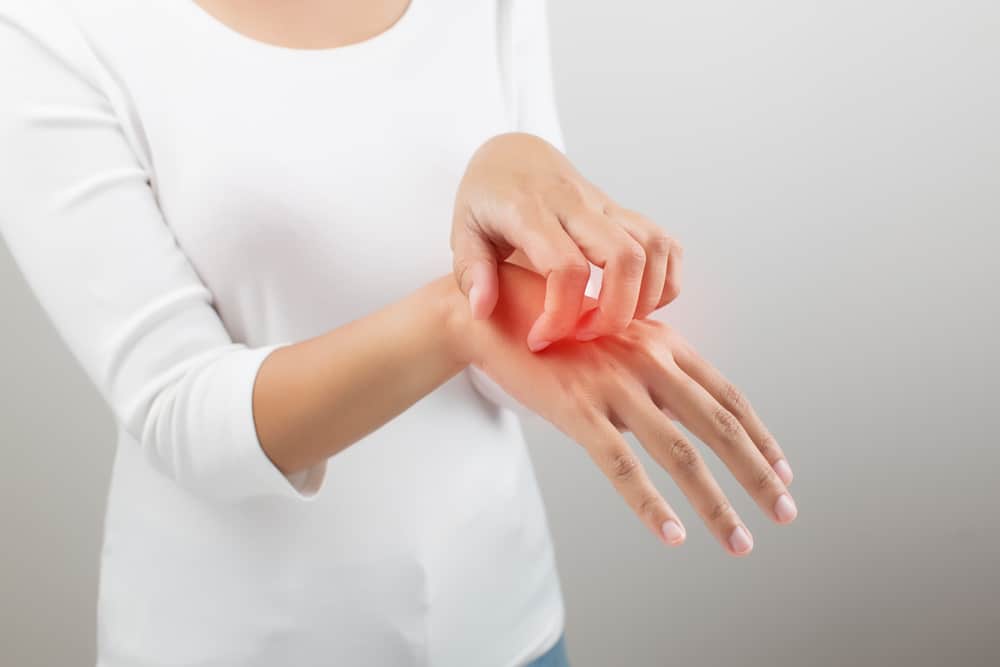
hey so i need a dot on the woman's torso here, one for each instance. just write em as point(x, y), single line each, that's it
point(308, 189)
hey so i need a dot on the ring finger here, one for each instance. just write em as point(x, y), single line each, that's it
point(615, 458)
point(668, 447)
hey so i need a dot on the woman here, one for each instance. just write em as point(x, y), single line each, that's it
point(241, 219)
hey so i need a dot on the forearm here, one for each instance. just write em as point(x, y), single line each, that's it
point(317, 397)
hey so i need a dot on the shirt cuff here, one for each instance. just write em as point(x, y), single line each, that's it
point(253, 470)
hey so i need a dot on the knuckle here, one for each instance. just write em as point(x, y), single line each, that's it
point(766, 478)
point(676, 341)
point(631, 256)
point(663, 362)
point(636, 339)
point(720, 510)
point(579, 400)
point(683, 453)
point(769, 447)
point(659, 243)
point(655, 332)
point(650, 505)
point(570, 191)
point(640, 221)
point(727, 423)
point(589, 412)
point(617, 381)
point(647, 354)
point(624, 466)
point(526, 206)
point(737, 401)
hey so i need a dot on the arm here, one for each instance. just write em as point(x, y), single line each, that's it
point(315, 398)
point(319, 396)
point(79, 214)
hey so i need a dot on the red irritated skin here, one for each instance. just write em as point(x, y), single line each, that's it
point(520, 193)
point(319, 396)
point(594, 391)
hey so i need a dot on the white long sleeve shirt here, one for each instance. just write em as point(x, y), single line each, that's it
point(184, 199)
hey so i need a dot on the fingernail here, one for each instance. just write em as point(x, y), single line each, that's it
point(785, 508)
point(740, 540)
point(538, 345)
point(673, 532)
point(586, 335)
point(784, 471)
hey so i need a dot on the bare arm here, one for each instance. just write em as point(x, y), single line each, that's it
point(319, 396)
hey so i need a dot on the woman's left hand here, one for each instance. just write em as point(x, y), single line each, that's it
point(521, 193)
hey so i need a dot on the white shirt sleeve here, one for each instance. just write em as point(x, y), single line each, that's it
point(526, 63)
point(80, 217)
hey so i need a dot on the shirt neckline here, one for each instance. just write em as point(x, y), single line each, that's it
point(392, 36)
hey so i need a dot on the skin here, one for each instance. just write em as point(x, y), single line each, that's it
point(307, 24)
point(519, 193)
point(593, 391)
point(317, 397)
point(604, 370)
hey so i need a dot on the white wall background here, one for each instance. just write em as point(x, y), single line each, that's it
point(833, 169)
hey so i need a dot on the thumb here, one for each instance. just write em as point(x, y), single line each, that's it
point(475, 268)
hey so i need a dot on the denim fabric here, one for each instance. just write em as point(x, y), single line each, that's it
point(554, 657)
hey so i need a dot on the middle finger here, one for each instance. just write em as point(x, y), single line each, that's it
point(719, 429)
point(668, 447)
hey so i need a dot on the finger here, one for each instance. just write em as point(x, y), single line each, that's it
point(474, 265)
point(735, 401)
point(557, 257)
point(718, 428)
point(657, 246)
point(672, 282)
point(612, 454)
point(622, 258)
point(668, 447)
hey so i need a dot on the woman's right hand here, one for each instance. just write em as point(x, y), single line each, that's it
point(593, 391)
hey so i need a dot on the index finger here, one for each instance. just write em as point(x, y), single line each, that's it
point(554, 255)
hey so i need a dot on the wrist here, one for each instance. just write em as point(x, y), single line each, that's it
point(456, 321)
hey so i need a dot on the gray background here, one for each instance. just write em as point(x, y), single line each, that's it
point(833, 170)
